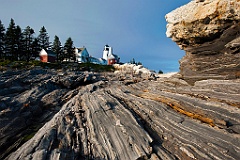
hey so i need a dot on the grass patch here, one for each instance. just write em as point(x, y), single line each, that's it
point(96, 67)
point(4, 62)
point(31, 131)
point(7, 64)
point(29, 136)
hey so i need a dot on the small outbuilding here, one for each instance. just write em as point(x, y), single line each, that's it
point(47, 56)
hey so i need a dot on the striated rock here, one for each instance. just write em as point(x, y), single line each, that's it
point(108, 119)
point(30, 98)
point(48, 114)
point(208, 31)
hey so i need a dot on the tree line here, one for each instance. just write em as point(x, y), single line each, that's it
point(22, 44)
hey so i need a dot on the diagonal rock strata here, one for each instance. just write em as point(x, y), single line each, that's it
point(47, 114)
point(111, 120)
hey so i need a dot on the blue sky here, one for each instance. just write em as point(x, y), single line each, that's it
point(134, 28)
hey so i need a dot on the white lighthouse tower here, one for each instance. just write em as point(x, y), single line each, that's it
point(107, 52)
point(108, 55)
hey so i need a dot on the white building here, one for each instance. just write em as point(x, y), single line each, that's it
point(82, 55)
point(97, 61)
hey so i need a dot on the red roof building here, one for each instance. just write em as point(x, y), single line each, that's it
point(47, 56)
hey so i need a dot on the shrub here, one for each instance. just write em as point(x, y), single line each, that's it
point(160, 72)
point(4, 62)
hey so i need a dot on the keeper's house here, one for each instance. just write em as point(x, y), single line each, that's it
point(82, 55)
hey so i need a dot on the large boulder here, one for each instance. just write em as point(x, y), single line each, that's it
point(209, 32)
point(134, 70)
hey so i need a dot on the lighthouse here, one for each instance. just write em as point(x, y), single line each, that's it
point(107, 52)
point(109, 56)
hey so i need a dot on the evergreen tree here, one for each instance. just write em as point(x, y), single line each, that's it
point(43, 38)
point(19, 47)
point(35, 48)
point(10, 41)
point(68, 49)
point(57, 48)
point(139, 63)
point(2, 40)
point(13, 41)
point(132, 61)
point(28, 40)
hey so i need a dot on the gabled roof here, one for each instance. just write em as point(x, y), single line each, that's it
point(80, 49)
point(113, 56)
point(50, 52)
point(47, 52)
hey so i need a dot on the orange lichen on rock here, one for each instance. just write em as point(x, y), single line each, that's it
point(177, 107)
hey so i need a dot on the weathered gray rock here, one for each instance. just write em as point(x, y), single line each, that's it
point(209, 33)
point(127, 70)
point(46, 114)
point(28, 99)
point(162, 119)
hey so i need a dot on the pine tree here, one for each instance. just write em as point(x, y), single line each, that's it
point(19, 49)
point(28, 40)
point(13, 41)
point(68, 49)
point(43, 38)
point(35, 48)
point(132, 61)
point(10, 41)
point(57, 47)
point(2, 40)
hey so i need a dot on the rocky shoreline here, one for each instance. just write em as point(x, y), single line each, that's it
point(102, 117)
point(133, 113)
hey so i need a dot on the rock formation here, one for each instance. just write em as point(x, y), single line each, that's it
point(133, 70)
point(44, 116)
point(133, 114)
point(28, 99)
point(209, 32)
